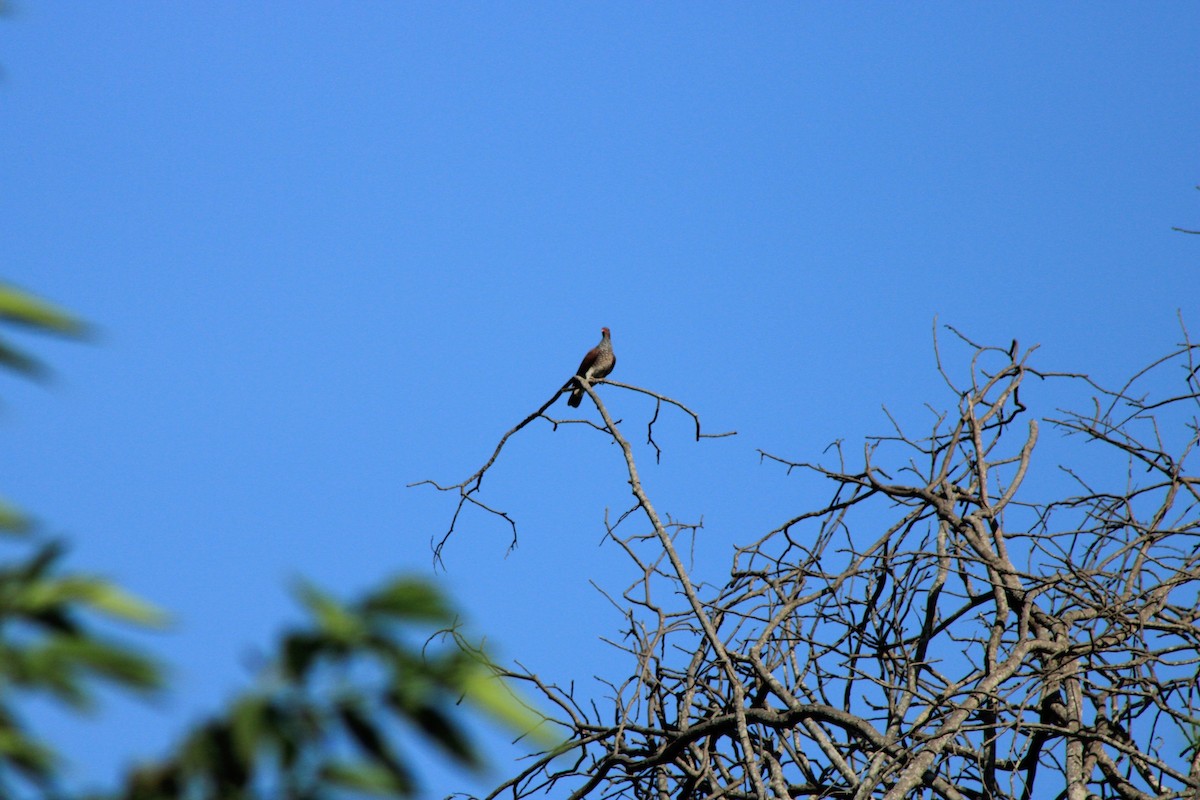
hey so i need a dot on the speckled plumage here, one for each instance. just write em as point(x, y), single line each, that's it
point(597, 364)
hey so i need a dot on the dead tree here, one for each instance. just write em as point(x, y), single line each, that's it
point(952, 623)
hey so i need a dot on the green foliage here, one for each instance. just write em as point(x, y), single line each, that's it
point(26, 310)
point(328, 719)
point(48, 644)
point(12, 519)
point(44, 643)
point(23, 309)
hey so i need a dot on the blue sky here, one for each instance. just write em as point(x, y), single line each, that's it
point(332, 250)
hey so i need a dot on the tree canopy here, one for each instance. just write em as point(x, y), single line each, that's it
point(957, 620)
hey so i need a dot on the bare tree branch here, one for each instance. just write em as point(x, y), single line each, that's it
point(946, 624)
point(468, 488)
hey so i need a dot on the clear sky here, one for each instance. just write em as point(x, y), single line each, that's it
point(332, 249)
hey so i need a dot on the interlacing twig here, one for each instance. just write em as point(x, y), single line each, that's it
point(468, 488)
point(946, 622)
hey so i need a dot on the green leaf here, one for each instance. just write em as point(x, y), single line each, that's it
point(12, 519)
point(24, 308)
point(154, 781)
point(441, 729)
point(248, 724)
point(31, 758)
point(209, 752)
point(46, 668)
point(81, 656)
point(484, 689)
point(17, 361)
point(41, 562)
point(410, 598)
point(95, 594)
point(335, 620)
point(367, 735)
point(111, 600)
point(300, 651)
point(368, 779)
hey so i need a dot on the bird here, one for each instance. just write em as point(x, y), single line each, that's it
point(597, 364)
